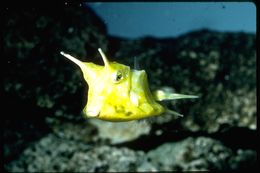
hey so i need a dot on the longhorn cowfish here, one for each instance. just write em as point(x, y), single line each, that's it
point(118, 93)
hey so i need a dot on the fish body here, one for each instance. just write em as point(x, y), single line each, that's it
point(118, 93)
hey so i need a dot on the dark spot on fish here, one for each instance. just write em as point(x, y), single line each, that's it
point(120, 109)
point(128, 114)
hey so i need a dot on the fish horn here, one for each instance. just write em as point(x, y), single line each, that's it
point(75, 60)
point(106, 62)
point(89, 69)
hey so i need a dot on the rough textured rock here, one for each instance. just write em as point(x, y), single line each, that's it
point(36, 72)
point(53, 153)
point(199, 154)
point(122, 131)
point(56, 154)
point(37, 80)
point(44, 94)
point(218, 67)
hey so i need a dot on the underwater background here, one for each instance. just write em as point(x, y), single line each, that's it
point(44, 130)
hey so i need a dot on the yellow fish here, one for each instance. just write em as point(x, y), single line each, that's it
point(117, 93)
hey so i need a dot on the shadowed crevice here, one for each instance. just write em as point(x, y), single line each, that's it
point(234, 138)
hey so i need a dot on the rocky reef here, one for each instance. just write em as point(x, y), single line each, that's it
point(44, 94)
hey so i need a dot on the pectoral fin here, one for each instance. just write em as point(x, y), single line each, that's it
point(161, 95)
point(174, 113)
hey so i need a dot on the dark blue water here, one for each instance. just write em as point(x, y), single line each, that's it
point(170, 19)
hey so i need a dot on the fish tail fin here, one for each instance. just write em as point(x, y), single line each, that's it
point(160, 95)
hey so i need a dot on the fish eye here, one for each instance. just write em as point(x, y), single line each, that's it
point(118, 76)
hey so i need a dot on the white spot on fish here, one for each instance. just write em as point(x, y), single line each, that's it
point(134, 98)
